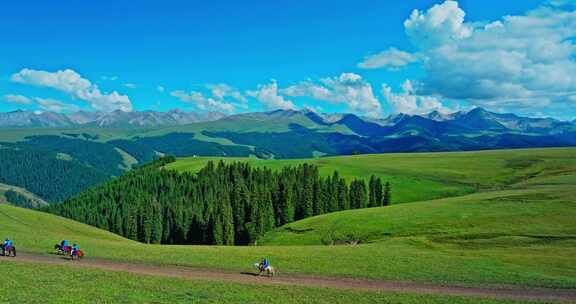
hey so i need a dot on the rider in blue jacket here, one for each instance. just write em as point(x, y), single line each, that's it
point(63, 244)
point(264, 264)
point(75, 248)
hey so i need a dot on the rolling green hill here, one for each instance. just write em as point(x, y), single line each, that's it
point(528, 261)
point(522, 235)
point(425, 176)
point(519, 217)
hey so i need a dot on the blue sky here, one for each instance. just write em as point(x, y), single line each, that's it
point(332, 56)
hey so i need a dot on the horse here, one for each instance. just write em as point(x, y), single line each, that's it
point(62, 250)
point(77, 253)
point(9, 251)
point(270, 271)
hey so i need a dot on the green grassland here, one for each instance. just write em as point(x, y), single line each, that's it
point(517, 230)
point(59, 284)
point(519, 217)
point(426, 176)
point(454, 241)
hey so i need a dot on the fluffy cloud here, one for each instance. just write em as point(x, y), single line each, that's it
point(72, 83)
point(220, 97)
point(516, 63)
point(53, 105)
point(221, 91)
point(268, 95)
point(203, 102)
point(348, 88)
point(129, 85)
point(20, 99)
point(441, 24)
point(408, 102)
point(391, 59)
point(519, 61)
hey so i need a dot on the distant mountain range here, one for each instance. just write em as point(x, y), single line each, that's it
point(115, 119)
point(280, 133)
point(284, 133)
point(100, 145)
point(434, 122)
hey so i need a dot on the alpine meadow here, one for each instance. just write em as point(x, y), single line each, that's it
point(321, 152)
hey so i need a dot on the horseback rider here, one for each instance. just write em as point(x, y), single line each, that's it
point(7, 244)
point(264, 264)
point(63, 244)
point(75, 249)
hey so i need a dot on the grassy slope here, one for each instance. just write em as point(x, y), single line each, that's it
point(471, 240)
point(509, 217)
point(96, 286)
point(425, 176)
point(411, 259)
point(4, 188)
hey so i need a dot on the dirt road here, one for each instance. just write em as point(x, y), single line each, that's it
point(517, 293)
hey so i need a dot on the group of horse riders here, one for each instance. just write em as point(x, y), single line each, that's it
point(74, 251)
point(8, 247)
point(65, 248)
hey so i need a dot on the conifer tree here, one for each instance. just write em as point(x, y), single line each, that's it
point(387, 197)
point(343, 196)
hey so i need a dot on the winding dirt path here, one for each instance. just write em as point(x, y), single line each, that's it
point(516, 293)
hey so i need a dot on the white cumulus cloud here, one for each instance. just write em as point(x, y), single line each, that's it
point(349, 89)
point(76, 86)
point(391, 59)
point(441, 24)
point(203, 102)
point(408, 102)
point(268, 95)
point(222, 91)
point(519, 61)
point(219, 97)
point(525, 62)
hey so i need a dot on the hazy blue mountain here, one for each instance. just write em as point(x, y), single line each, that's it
point(282, 133)
point(115, 119)
point(21, 118)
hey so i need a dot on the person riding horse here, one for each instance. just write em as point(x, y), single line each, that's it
point(8, 246)
point(76, 252)
point(264, 264)
point(63, 248)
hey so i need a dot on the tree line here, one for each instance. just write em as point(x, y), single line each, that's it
point(223, 204)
